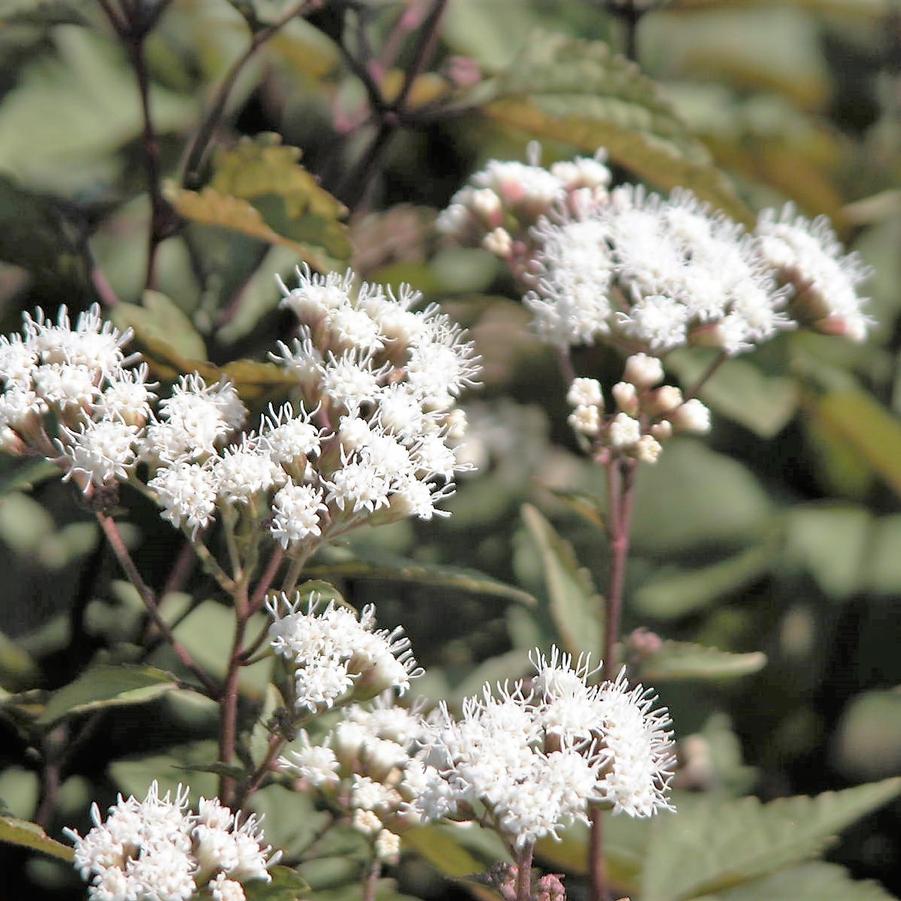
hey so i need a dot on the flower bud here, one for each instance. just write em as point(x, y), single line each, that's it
point(626, 397)
point(664, 400)
point(347, 740)
point(585, 393)
point(498, 242)
point(692, 416)
point(624, 431)
point(648, 449)
point(643, 371)
point(487, 206)
point(662, 430)
point(387, 846)
point(585, 420)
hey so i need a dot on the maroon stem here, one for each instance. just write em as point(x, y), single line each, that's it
point(269, 574)
point(228, 723)
point(620, 502)
point(196, 152)
point(524, 873)
point(114, 537)
point(371, 880)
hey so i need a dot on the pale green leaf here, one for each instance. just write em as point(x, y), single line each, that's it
point(285, 885)
point(133, 775)
point(695, 497)
point(160, 321)
point(867, 9)
point(808, 882)
point(831, 542)
point(680, 661)
point(741, 392)
point(17, 667)
point(678, 592)
point(260, 189)
point(69, 113)
point(107, 685)
point(868, 736)
point(385, 567)
point(40, 12)
point(575, 605)
point(711, 845)
point(866, 427)
point(581, 93)
point(440, 848)
point(30, 835)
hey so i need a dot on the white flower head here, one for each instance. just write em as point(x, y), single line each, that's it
point(187, 494)
point(100, 452)
point(825, 280)
point(246, 470)
point(296, 513)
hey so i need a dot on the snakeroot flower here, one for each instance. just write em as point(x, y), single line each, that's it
point(158, 850)
point(100, 452)
point(538, 755)
point(335, 655)
point(806, 255)
point(296, 512)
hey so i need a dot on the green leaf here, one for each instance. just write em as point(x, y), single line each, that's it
point(868, 9)
point(160, 321)
point(440, 848)
point(678, 592)
point(17, 667)
point(70, 112)
point(625, 847)
point(742, 392)
point(106, 685)
point(583, 94)
point(711, 845)
point(831, 542)
point(808, 882)
point(575, 604)
point(260, 189)
point(40, 12)
point(695, 497)
point(133, 775)
point(680, 661)
point(30, 835)
point(868, 428)
point(24, 476)
point(370, 565)
point(286, 885)
point(868, 736)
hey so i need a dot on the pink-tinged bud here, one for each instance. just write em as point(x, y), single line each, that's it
point(463, 71)
point(643, 371)
point(643, 643)
point(585, 420)
point(663, 401)
point(551, 888)
point(626, 397)
point(487, 206)
point(662, 430)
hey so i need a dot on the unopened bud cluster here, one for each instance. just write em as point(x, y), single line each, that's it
point(645, 413)
point(362, 767)
point(159, 850)
point(499, 207)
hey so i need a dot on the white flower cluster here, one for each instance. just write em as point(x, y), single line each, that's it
point(336, 656)
point(505, 199)
point(651, 273)
point(376, 430)
point(646, 415)
point(384, 378)
point(158, 850)
point(78, 377)
point(536, 756)
point(807, 256)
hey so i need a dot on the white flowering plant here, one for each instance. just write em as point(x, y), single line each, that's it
point(437, 509)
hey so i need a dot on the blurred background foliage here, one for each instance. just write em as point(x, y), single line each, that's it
point(778, 536)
